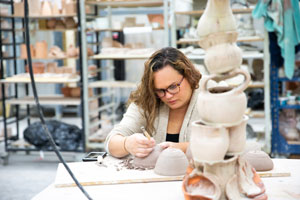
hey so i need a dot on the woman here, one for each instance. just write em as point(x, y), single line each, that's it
point(164, 103)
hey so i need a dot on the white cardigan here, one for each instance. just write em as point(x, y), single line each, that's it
point(133, 120)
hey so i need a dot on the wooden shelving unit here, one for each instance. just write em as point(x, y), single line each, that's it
point(45, 100)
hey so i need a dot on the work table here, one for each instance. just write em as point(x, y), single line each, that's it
point(285, 187)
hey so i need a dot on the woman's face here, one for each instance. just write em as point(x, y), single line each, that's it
point(168, 77)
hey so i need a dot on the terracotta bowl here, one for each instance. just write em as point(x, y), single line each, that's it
point(171, 162)
point(37, 67)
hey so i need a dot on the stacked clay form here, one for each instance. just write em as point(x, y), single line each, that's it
point(218, 137)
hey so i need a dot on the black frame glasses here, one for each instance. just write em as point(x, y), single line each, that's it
point(172, 89)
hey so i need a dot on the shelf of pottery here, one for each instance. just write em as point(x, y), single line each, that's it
point(248, 39)
point(285, 104)
point(101, 28)
point(51, 64)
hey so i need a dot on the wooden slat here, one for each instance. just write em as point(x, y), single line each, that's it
point(126, 3)
point(200, 12)
point(112, 84)
point(240, 39)
point(119, 56)
point(24, 78)
point(45, 100)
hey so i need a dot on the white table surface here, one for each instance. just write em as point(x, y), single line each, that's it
point(278, 188)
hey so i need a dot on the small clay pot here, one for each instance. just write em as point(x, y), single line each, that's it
point(51, 67)
point(66, 91)
point(237, 137)
point(37, 67)
point(71, 51)
point(41, 49)
point(51, 23)
point(208, 138)
point(260, 160)
point(149, 161)
point(76, 92)
point(171, 162)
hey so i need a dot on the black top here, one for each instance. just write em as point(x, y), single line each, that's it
point(172, 137)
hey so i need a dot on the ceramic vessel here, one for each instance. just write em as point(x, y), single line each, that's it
point(217, 107)
point(51, 66)
point(205, 139)
point(223, 58)
point(46, 9)
point(150, 160)
point(217, 17)
point(24, 51)
point(37, 67)
point(71, 51)
point(260, 160)
point(41, 49)
point(171, 162)
point(237, 137)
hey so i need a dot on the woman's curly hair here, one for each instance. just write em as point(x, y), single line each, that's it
point(145, 97)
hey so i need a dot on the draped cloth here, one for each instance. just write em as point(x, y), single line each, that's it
point(283, 18)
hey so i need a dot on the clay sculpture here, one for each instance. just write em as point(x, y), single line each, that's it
point(260, 160)
point(171, 162)
point(218, 138)
point(149, 161)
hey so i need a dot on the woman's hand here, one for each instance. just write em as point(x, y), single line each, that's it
point(181, 145)
point(138, 145)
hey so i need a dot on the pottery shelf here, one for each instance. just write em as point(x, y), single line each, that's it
point(115, 4)
point(119, 56)
point(112, 84)
point(15, 26)
point(38, 17)
point(108, 88)
point(200, 12)
point(45, 100)
point(279, 144)
point(10, 44)
point(240, 39)
point(293, 142)
point(26, 79)
point(256, 84)
point(246, 55)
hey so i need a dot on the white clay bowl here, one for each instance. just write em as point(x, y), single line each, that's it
point(171, 162)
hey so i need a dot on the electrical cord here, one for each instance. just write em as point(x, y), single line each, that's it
point(41, 115)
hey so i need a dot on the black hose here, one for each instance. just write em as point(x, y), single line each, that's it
point(41, 115)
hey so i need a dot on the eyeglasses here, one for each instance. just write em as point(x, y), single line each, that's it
point(172, 89)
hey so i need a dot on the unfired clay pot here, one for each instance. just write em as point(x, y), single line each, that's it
point(223, 58)
point(150, 160)
point(217, 17)
point(208, 143)
point(41, 49)
point(171, 162)
point(260, 160)
point(37, 67)
point(237, 137)
point(225, 108)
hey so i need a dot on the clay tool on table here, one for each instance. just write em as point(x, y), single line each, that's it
point(146, 133)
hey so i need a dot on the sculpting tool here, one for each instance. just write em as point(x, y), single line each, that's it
point(146, 133)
